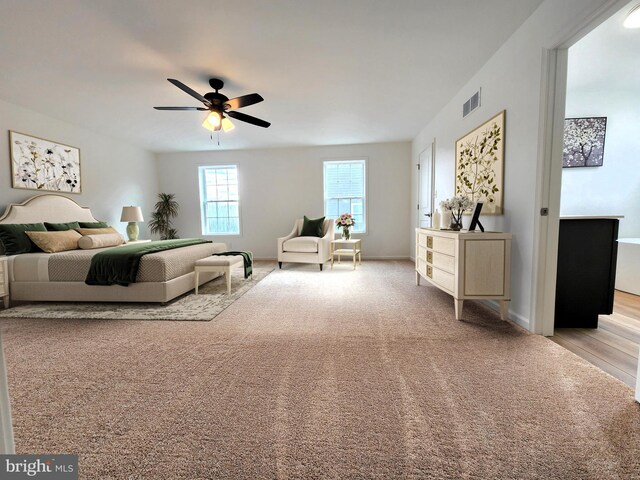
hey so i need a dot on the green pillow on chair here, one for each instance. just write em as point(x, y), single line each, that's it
point(312, 227)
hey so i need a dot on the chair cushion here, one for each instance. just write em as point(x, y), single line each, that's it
point(301, 245)
point(312, 227)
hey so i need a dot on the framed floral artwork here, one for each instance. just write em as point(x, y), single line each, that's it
point(480, 164)
point(39, 164)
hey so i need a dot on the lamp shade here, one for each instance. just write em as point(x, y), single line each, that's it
point(131, 214)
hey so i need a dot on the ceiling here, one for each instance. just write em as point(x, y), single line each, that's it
point(608, 56)
point(331, 71)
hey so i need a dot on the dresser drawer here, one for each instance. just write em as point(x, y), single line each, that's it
point(443, 245)
point(423, 253)
point(422, 239)
point(421, 267)
point(443, 279)
point(442, 261)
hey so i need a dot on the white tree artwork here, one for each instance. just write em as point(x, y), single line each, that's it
point(584, 142)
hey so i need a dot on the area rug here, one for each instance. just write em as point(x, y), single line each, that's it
point(212, 299)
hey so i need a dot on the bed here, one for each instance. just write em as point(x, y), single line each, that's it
point(161, 277)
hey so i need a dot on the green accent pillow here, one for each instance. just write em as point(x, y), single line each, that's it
point(61, 227)
point(312, 227)
point(14, 239)
point(93, 225)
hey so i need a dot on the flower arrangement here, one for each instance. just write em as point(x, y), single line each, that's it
point(457, 206)
point(345, 221)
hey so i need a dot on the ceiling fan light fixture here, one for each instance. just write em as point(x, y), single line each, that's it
point(214, 119)
point(227, 125)
point(633, 18)
point(207, 125)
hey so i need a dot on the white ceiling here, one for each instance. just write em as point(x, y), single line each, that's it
point(608, 56)
point(331, 71)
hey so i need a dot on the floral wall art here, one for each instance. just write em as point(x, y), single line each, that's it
point(480, 165)
point(584, 142)
point(39, 164)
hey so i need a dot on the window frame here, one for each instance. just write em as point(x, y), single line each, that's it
point(365, 203)
point(202, 191)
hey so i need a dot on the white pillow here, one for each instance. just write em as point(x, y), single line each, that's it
point(88, 242)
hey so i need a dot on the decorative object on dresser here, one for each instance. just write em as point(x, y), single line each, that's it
point(584, 142)
point(480, 164)
point(44, 165)
point(586, 275)
point(132, 215)
point(345, 221)
point(165, 209)
point(457, 206)
point(467, 265)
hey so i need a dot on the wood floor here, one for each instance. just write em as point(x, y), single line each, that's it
point(614, 345)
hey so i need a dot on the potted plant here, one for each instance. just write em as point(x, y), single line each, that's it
point(164, 210)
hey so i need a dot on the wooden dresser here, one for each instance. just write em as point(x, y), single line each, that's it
point(467, 265)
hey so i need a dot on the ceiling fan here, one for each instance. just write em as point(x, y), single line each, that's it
point(220, 107)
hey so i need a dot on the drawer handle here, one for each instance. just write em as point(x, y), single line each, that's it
point(430, 257)
point(429, 272)
point(430, 242)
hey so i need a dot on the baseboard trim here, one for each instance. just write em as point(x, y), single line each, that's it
point(271, 259)
point(513, 316)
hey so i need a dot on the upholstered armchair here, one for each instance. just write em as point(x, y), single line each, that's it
point(296, 249)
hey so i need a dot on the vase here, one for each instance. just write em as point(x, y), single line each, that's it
point(456, 222)
point(346, 234)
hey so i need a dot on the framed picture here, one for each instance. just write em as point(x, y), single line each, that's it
point(39, 164)
point(584, 142)
point(480, 164)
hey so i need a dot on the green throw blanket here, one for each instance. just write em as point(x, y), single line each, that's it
point(246, 257)
point(119, 265)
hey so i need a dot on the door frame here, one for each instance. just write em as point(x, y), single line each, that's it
point(549, 171)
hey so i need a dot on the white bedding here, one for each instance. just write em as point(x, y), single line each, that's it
point(73, 265)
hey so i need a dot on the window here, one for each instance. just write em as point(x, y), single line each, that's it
point(219, 200)
point(344, 190)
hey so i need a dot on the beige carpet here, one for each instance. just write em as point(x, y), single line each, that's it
point(212, 299)
point(335, 374)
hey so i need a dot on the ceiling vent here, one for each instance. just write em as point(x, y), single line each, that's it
point(471, 104)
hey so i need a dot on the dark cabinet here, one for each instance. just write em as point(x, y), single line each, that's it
point(587, 253)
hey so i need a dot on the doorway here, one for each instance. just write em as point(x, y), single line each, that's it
point(426, 167)
point(596, 175)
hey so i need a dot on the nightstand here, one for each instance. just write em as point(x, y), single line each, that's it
point(354, 248)
point(4, 281)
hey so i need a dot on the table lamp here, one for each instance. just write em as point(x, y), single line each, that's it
point(132, 215)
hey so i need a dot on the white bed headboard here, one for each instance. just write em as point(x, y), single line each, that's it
point(52, 207)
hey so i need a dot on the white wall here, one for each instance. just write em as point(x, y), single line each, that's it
point(614, 188)
point(113, 173)
point(280, 185)
point(511, 81)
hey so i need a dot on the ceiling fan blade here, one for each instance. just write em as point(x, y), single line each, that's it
point(249, 119)
point(243, 101)
point(181, 108)
point(190, 91)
